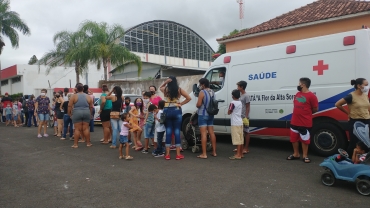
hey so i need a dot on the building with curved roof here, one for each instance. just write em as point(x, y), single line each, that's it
point(166, 48)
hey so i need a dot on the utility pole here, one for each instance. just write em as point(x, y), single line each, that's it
point(241, 12)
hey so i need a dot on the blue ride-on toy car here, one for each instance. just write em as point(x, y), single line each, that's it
point(346, 169)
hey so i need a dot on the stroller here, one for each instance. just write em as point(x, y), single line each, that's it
point(192, 136)
point(358, 173)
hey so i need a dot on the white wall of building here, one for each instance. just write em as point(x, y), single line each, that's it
point(33, 78)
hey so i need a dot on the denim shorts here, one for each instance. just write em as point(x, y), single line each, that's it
point(9, 117)
point(44, 117)
point(149, 131)
point(205, 120)
point(15, 118)
point(123, 139)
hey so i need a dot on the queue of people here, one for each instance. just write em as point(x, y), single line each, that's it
point(161, 119)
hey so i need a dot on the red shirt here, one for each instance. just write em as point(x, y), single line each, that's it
point(302, 111)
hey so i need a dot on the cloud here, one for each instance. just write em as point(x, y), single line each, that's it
point(209, 18)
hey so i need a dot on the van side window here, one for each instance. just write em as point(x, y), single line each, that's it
point(216, 78)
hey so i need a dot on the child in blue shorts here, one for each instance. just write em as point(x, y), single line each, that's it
point(149, 127)
point(123, 136)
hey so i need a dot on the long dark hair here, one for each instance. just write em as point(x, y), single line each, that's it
point(141, 107)
point(173, 88)
point(118, 91)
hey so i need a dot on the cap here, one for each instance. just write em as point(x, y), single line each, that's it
point(6, 93)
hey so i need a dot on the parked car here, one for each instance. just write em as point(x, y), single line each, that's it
point(97, 105)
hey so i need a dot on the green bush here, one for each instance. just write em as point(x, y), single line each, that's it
point(15, 96)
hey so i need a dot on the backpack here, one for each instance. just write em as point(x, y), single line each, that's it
point(212, 106)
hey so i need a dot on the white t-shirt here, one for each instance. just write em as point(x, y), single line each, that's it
point(65, 97)
point(236, 115)
point(159, 127)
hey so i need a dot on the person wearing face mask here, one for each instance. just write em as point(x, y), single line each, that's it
point(42, 109)
point(104, 114)
point(205, 121)
point(154, 98)
point(221, 77)
point(304, 105)
point(117, 103)
point(358, 108)
point(59, 113)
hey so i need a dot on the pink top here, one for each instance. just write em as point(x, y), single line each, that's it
point(19, 106)
point(124, 129)
point(155, 101)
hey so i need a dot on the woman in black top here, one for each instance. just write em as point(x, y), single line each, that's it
point(117, 102)
point(67, 120)
point(59, 113)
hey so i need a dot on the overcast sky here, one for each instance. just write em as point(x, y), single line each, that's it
point(211, 19)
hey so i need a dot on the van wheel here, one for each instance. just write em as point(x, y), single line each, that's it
point(185, 122)
point(327, 138)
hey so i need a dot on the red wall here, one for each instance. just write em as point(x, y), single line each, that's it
point(9, 72)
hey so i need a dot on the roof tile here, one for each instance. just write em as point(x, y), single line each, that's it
point(316, 11)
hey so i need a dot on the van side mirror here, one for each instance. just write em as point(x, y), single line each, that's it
point(196, 90)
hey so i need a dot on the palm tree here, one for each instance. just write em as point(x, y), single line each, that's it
point(105, 46)
point(10, 22)
point(71, 50)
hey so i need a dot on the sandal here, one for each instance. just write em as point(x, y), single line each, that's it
point(306, 160)
point(129, 158)
point(75, 146)
point(245, 152)
point(133, 147)
point(202, 157)
point(214, 155)
point(291, 157)
point(89, 145)
point(235, 158)
point(120, 157)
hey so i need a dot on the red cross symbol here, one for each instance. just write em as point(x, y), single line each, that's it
point(321, 67)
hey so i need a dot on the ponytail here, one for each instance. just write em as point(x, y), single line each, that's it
point(358, 81)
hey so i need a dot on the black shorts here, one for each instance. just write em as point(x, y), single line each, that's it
point(105, 115)
point(60, 114)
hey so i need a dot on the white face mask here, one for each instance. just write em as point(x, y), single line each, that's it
point(42, 94)
point(146, 101)
point(221, 79)
point(365, 89)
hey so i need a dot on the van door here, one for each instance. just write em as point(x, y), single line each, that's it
point(220, 88)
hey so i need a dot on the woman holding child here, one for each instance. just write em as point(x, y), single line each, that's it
point(172, 109)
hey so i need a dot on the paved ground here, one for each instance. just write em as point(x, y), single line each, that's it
point(47, 172)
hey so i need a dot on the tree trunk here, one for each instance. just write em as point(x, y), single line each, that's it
point(77, 72)
point(105, 66)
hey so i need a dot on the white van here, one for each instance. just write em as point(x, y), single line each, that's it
point(273, 72)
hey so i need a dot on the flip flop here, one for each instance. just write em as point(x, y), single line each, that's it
point(74, 146)
point(129, 158)
point(235, 150)
point(214, 155)
point(89, 145)
point(291, 157)
point(306, 160)
point(245, 152)
point(202, 157)
point(235, 158)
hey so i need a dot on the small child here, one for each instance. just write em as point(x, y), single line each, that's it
point(9, 114)
point(149, 127)
point(358, 156)
point(235, 109)
point(126, 126)
point(359, 153)
point(160, 129)
point(147, 103)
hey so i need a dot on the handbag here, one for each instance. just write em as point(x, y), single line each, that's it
point(115, 114)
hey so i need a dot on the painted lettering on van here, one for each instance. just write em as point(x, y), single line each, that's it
point(262, 75)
